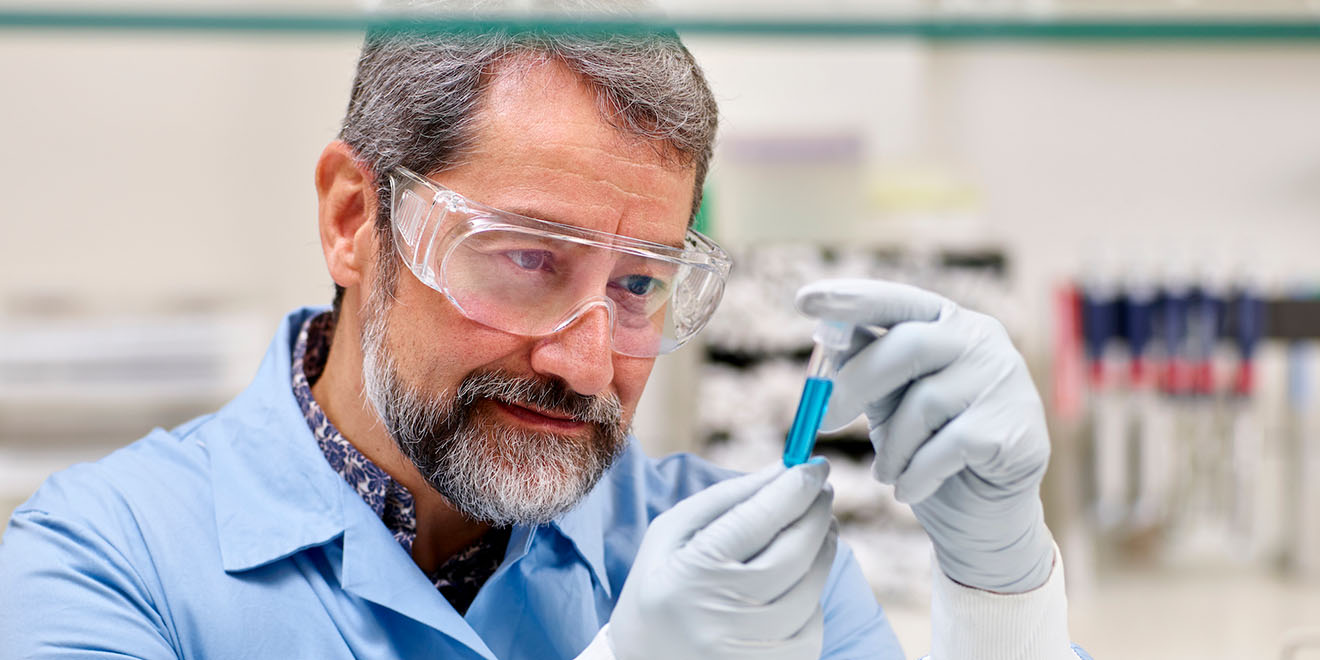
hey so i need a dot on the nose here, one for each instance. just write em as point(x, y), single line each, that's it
point(582, 353)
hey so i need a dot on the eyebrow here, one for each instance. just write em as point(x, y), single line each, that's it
point(518, 210)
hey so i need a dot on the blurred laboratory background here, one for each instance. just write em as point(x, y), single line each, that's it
point(1133, 188)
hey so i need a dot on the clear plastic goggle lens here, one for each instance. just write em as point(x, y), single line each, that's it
point(530, 277)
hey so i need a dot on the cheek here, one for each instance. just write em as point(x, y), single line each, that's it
point(437, 345)
point(630, 376)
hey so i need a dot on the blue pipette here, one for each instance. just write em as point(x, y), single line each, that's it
point(832, 339)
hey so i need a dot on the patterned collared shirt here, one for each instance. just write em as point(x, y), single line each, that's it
point(462, 575)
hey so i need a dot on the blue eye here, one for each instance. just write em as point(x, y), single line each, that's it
point(639, 285)
point(529, 259)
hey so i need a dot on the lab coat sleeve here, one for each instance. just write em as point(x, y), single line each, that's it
point(66, 590)
point(856, 628)
point(971, 624)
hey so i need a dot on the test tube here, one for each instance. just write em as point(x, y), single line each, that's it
point(832, 339)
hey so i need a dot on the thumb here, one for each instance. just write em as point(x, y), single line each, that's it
point(749, 526)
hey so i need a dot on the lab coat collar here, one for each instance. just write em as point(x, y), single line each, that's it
point(583, 527)
point(370, 569)
point(275, 494)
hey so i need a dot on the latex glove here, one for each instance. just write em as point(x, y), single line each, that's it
point(956, 422)
point(735, 571)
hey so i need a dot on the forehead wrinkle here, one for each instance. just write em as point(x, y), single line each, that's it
point(539, 213)
point(501, 200)
point(562, 134)
point(596, 180)
point(560, 158)
point(637, 162)
point(626, 207)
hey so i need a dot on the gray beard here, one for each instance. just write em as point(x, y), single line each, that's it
point(490, 472)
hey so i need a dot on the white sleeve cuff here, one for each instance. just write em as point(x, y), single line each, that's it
point(599, 648)
point(972, 624)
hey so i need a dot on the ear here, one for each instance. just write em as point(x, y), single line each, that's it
point(346, 212)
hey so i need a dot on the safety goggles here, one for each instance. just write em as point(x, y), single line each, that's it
point(531, 277)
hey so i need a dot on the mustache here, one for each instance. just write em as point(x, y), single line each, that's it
point(545, 393)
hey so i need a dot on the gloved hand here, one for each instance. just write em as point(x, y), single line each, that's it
point(956, 422)
point(735, 571)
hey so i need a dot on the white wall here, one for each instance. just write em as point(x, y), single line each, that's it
point(143, 170)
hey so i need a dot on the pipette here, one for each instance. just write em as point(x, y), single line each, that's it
point(1100, 330)
point(832, 339)
point(1252, 517)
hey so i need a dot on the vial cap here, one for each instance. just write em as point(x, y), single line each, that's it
point(836, 335)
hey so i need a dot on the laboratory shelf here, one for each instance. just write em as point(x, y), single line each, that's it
point(1278, 26)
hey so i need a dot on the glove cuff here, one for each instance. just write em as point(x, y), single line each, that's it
point(971, 624)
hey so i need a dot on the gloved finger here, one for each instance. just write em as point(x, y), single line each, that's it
point(862, 337)
point(749, 526)
point(926, 407)
point(699, 509)
point(869, 302)
point(776, 620)
point(806, 642)
point(784, 562)
point(868, 381)
point(944, 456)
point(795, 606)
point(997, 438)
point(845, 405)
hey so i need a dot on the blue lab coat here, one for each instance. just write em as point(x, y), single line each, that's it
point(231, 537)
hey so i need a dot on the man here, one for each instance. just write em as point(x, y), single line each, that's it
point(439, 466)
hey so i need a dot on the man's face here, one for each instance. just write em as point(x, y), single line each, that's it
point(512, 428)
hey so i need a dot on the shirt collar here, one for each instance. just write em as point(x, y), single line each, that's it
point(274, 492)
point(584, 525)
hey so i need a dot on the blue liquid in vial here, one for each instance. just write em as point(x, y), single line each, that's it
point(811, 409)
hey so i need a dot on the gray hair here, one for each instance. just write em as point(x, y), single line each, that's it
point(416, 96)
